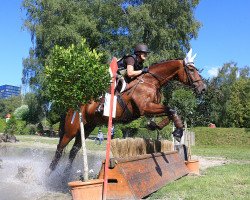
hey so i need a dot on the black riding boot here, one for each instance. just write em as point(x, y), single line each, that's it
point(100, 107)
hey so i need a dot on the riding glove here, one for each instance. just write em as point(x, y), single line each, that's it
point(145, 70)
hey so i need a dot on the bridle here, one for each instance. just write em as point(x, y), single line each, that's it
point(188, 73)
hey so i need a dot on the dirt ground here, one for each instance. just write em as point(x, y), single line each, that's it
point(206, 162)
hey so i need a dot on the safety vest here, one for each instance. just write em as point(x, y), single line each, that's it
point(122, 65)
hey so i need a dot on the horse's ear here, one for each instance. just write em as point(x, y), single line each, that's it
point(189, 54)
point(189, 58)
point(193, 57)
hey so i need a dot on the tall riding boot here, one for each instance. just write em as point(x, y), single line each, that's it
point(100, 107)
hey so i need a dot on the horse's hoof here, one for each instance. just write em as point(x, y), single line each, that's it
point(178, 134)
point(151, 125)
point(48, 172)
point(177, 138)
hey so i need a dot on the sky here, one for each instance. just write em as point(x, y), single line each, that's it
point(223, 37)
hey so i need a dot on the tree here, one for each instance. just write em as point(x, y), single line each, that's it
point(75, 76)
point(238, 105)
point(220, 91)
point(9, 105)
point(185, 103)
point(111, 26)
point(35, 113)
point(21, 112)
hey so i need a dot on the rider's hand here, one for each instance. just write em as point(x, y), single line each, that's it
point(145, 70)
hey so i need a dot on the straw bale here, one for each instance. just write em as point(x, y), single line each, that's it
point(123, 148)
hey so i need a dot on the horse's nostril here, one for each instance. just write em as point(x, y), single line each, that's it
point(203, 90)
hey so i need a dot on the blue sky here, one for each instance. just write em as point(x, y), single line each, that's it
point(224, 37)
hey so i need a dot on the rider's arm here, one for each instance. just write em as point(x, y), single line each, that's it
point(131, 72)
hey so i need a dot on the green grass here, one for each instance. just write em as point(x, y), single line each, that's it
point(29, 140)
point(229, 182)
point(229, 152)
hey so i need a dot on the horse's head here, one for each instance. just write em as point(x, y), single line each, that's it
point(189, 74)
point(184, 70)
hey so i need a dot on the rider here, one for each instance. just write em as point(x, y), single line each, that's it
point(133, 65)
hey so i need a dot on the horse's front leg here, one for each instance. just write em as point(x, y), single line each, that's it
point(152, 125)
point(158, 109)
point(62, 144)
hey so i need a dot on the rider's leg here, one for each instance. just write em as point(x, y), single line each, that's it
point(100, 107)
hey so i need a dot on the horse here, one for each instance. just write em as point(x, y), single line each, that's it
point(141, 97)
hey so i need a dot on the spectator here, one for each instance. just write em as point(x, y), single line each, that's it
point(211, 125)
point(112, 132)
point(99, 137)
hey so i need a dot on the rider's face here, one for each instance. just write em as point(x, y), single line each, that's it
point(143, 56)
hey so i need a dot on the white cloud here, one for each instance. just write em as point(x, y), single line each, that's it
point(213, 71)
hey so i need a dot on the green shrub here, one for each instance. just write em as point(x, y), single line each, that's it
point(56, 126)
point(40, 128)
point(28, 129)
point(11, 126)
point(221, 136)
point(20, 127)
point(21, 112)
point(118, 133)
point(2, 125)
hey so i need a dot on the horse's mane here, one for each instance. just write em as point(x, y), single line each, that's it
point(164, 61)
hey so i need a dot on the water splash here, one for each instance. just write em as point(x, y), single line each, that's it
point(22, 174)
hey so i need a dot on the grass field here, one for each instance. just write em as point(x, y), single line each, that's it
point(230, 181)
point(222, 182)
point(51, 143)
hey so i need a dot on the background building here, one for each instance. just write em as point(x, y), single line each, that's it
point(7, 91)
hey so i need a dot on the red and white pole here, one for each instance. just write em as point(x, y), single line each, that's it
point(113, 67)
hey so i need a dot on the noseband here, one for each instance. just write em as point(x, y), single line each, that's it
point(188, 73)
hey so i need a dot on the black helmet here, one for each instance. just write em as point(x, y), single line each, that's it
point(141, 48)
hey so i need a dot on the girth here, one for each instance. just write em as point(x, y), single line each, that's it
point(126, 114)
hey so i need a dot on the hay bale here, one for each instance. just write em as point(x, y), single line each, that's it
point(114, 147)
point(149, 146)
point(131, 148)
point(166, 146)
point(140, 146)
point(124, 148)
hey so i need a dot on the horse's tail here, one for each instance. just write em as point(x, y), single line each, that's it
point(62, 126)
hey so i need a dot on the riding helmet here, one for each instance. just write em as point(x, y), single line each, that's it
point(141, 48)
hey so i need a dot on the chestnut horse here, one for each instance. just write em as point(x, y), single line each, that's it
point(140, 98)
